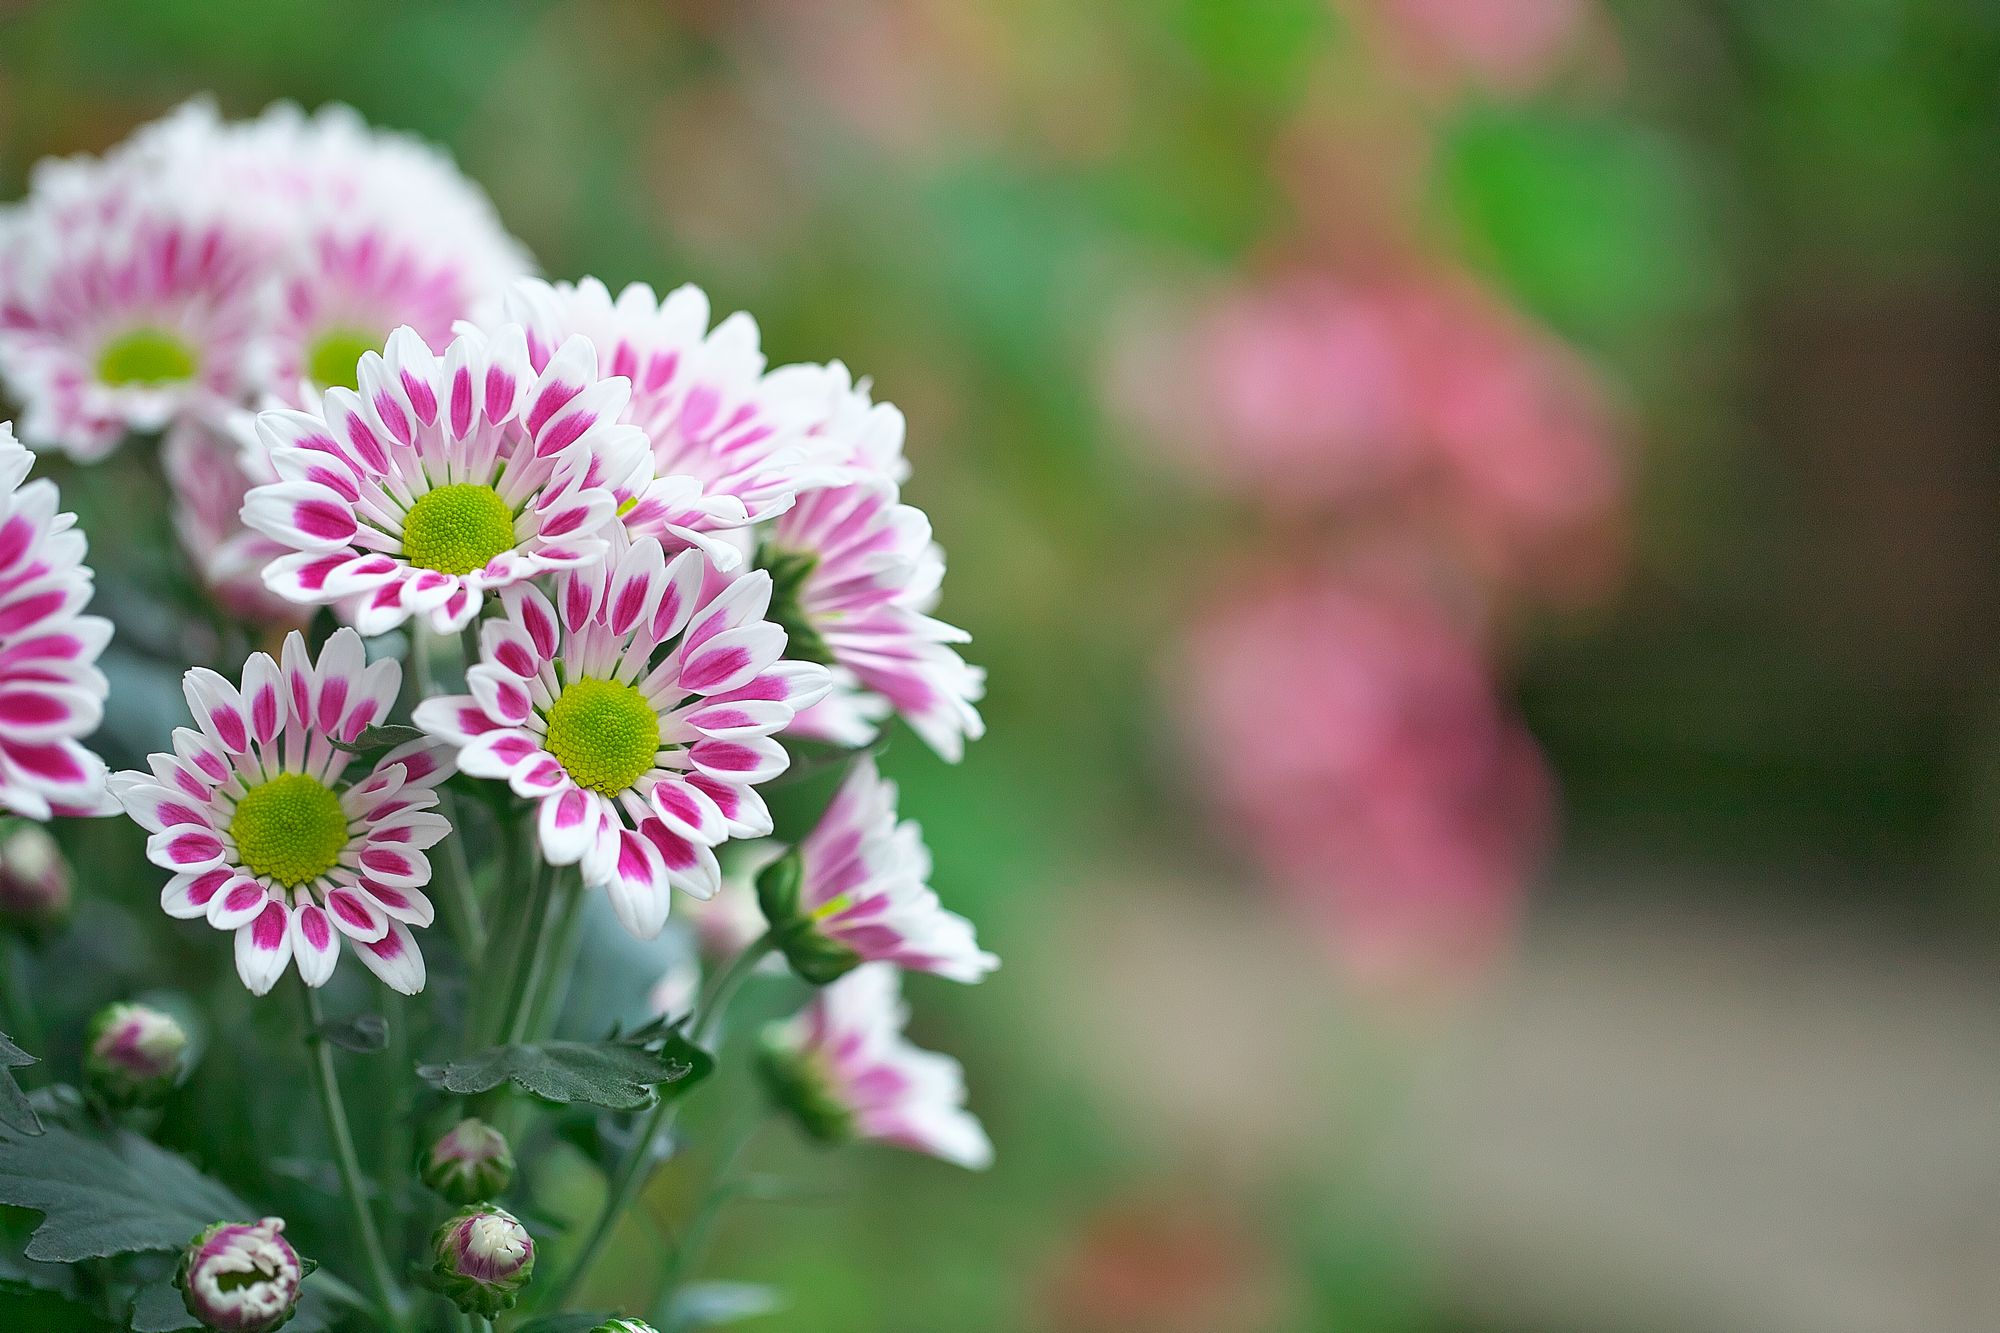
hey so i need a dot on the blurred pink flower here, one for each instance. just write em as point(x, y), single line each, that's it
point(1417, 403)
point(1508, 46)
point(1391, 798)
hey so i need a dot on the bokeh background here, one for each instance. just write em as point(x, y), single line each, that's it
point(1479, 515)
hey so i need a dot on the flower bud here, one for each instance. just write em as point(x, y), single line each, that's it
point(133, 1055)
point(815, 956)
point(34, 879)
point(240, 1277)
point(484, 1257)
point(470, 1164)
point(624, 1326)
point(796, 1082)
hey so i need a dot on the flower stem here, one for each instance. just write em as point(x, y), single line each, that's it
point(694, 1238)
point(387, 1293)
point(633, 1169)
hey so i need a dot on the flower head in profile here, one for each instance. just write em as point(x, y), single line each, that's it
point(856, 891)
point(844, 1070)
point(51, 690)
point(728, 448)
point(637, 708)
point(241, 1277)
point(443, 478)
point(277, 834)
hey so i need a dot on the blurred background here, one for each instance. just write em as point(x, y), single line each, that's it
point(1479, 515)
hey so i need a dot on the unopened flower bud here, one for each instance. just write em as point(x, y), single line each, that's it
point(796, 1082)
point(624, 1326)
point(133, 1055)
point(470, 1164)
point(484, 1257)
point(241, 1277)
point(34, 879)
point(814, 955)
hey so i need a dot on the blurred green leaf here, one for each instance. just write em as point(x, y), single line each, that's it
point(363, 1034)
point(15, 1113)
point(701, 1305)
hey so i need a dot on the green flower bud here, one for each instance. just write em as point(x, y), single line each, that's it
point(241, 1277)
point(471, 1163)
point(34, 880)
point(484, 1257)
point(133, 1055)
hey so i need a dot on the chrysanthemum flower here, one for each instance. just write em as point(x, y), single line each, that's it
point(208, 477)
point(51, 691)
point(266, 834)
point(729, 447)
point(844, 1070)
point(639, 715)
point(443, 478)
point(855, 576)
point(388, 233)
point(858, 893)
point(121, 320)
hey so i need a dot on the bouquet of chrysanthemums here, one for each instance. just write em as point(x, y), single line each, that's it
point(523, 611)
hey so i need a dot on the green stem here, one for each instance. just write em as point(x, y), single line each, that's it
point(22, 1024)
point(630, 1178)
point(559, 901)
point(387, 1293)
point(468, 927)
point(549, 1002)
point(694, 1237)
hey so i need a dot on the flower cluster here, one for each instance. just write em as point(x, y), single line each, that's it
point(666, 564)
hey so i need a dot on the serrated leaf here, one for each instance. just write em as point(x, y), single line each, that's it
point(158, 1308)
point(15, 1113)
point(611, 1074)
point(105, 1196)
point(701, 1305)
point(363, 1034)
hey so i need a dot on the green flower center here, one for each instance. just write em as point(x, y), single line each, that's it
point(146, 356)
point(457, 529)
point(334, 358)
point(603, 733)
point(290, 829)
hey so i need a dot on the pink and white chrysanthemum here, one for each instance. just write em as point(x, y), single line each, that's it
point(730, 447)
point(639, 713)
point(864, 885)
point(51, 690)
point(843, 1067)
point(208, 475)
point(267, 835)
point(856, 575)
point(121, 319)
point(443, 478)
point(387, 233)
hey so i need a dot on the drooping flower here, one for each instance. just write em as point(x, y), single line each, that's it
point(639, 715)
point(51, 690)
point(241, 1277)
point(844, 1070)
point(267, 835)
point(34, 880)
point(132, 1055)
point(483, 1257)
point(443, 478)
point(208, 476)
point(728, 448)
point(855, 576)
point(470, 1163)
point(856, 891)
point(127, 314)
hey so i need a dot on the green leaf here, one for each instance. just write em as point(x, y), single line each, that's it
point(158, 1308)
point(612, 1074)
point(380, 740)
point(712, 1304)
point(364, 1034)
point(15, 1113)
point(105, 1196)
